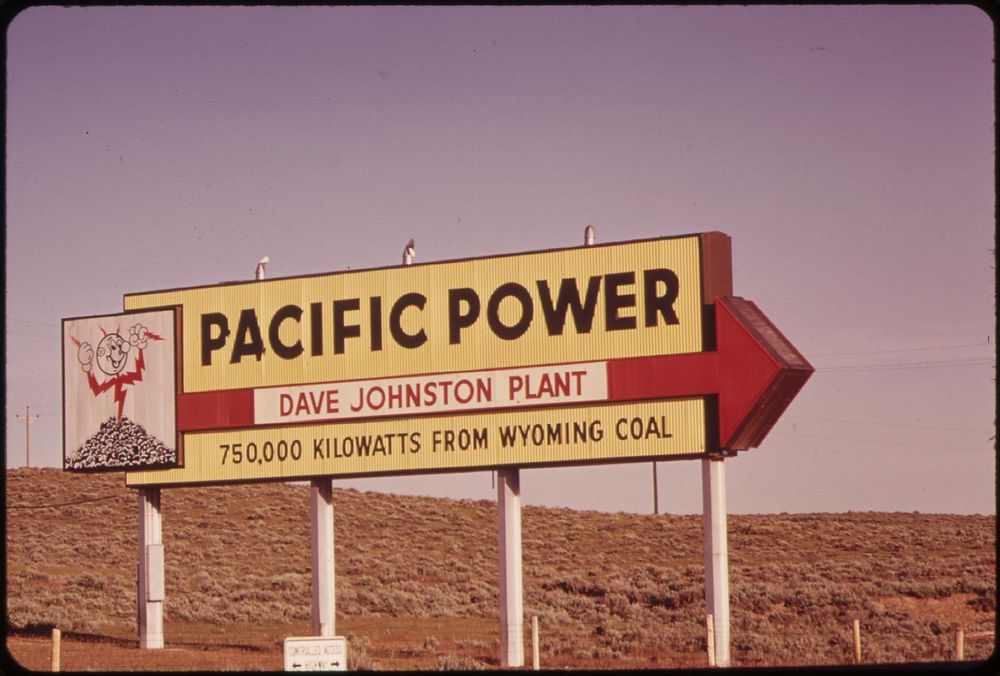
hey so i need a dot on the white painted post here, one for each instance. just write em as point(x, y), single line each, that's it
point(321, 537)
point(713, 486)
point(509, 558)
point(151, 583)
point(56, 639)
point(856, 630)
point(534, 642)
point(710, 645)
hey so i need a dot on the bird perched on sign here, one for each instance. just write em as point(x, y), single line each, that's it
point(408, 253)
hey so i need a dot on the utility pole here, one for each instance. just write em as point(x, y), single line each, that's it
point(28, 419)
point(656, 492)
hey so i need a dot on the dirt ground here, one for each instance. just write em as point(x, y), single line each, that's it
point(106, 654)
point(395, 644)
point(390, 643)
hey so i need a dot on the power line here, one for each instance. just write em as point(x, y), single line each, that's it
point(902, 366)
point(33, 335)
point(68, 504)
point(31, 321)
point(889, 443)
point(910, 349)
point(903, 425)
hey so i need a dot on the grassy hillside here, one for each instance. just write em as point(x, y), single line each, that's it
point(417, 577)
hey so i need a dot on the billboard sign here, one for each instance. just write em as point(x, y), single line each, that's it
point(617, 352)
point(414, 362)
point(119, 385)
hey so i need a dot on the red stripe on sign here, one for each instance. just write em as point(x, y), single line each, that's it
point(663, 377)
point(198, 411)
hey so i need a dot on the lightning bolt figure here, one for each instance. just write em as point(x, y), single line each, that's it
point(111, 358)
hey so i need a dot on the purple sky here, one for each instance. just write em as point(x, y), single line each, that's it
point(848, 151)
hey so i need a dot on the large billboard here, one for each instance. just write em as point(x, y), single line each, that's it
point(275, 371)
point(538, 358)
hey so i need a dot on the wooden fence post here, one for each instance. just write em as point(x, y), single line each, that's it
point(710, 626)
point(959, 644)
point(857, 641)
point(534, 642)
point(56, 638)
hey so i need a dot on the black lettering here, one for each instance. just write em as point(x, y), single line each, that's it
point(404, 339)
point(458, 320)
point(248, 340)
point(508, 436)
point(343, 331)
point(208, 343)
point(554, 434)
point(375, 314)
point(569, 299)
point(316, 327)
point(274, 332)
point(615, 301)
point(518, 292)
point(660, 304)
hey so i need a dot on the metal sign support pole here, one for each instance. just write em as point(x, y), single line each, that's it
point(713, 485)
point(323, 599)
point(509, 558)
point(150, 570)
point(656, 492)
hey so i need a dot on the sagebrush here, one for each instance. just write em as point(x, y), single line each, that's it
point(610, 590)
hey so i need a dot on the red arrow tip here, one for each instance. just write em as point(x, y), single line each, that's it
point(760, 373)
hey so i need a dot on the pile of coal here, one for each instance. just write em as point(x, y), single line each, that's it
point(121, 444)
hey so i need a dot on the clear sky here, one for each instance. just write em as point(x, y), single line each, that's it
point(848, 151)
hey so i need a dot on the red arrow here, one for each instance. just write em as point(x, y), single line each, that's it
point(754, 370)
point(754, 373)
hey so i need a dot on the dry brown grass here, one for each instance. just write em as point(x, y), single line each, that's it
point(417, 578)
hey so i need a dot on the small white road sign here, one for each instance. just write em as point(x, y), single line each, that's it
point(315, 653)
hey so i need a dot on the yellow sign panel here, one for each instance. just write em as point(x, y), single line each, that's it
point(569, 305)
point(427, 444)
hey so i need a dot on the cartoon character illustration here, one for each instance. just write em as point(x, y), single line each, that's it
point(111, 357)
